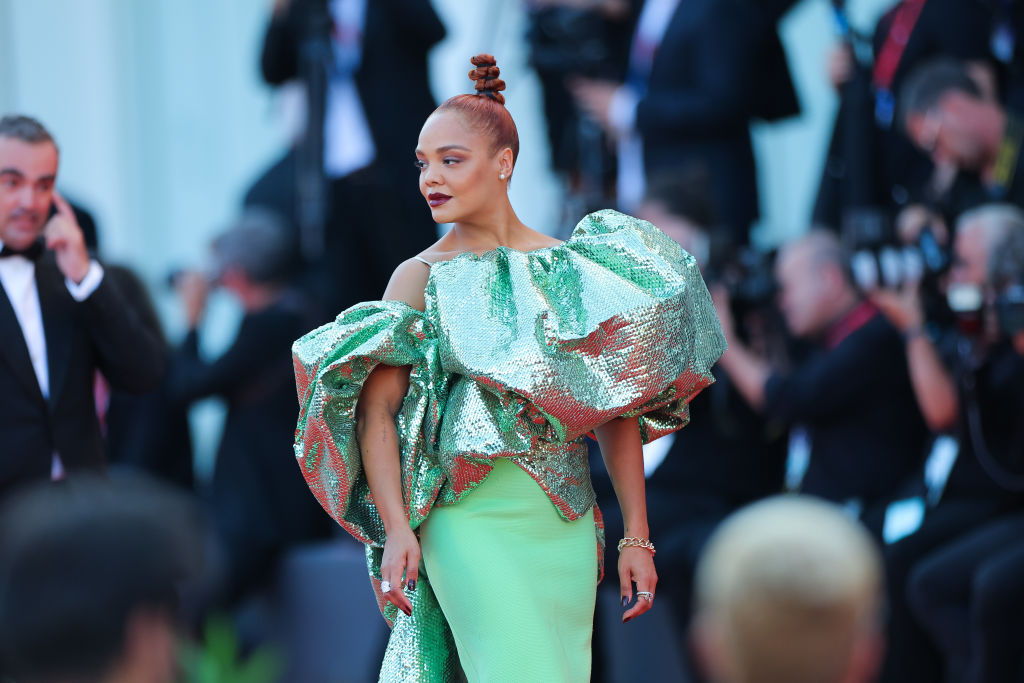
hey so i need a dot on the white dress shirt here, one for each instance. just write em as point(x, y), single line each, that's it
point(18, 277)
point(348, 142)
point(631, 182)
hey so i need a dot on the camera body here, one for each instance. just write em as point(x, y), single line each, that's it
point(880, 261)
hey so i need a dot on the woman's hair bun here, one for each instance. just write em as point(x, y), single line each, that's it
point(485, 74)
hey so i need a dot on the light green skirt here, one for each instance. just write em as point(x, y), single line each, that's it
point(515, 580)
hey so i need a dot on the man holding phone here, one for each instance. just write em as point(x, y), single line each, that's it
point(61, 321)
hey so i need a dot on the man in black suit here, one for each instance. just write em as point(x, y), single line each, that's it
point(853, 394)
point(699, 72)
point(61, 320)
point(259, 503)
point(368, 94)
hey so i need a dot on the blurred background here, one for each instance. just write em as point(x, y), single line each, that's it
point(164, 121)
point(844, 172)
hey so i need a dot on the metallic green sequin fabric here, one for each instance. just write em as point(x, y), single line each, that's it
point(518, 355)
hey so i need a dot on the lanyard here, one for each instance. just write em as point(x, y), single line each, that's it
point(1006, 161)
point(889, 58)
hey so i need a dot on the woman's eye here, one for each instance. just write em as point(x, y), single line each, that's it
point(420, 164)
point(449, 161)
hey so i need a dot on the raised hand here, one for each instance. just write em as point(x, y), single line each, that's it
point(64, 236)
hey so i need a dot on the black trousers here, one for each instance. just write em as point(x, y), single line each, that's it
point(911, 656)
point(969, 595)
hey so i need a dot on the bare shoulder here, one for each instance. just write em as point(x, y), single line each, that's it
point(408, 282)
point(539, 240)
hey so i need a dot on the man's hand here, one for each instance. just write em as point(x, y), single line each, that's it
point(902, 308)
point(914, 218)
point(64, 236)
point(839, 65)
point(594, 97)
point(193, 289)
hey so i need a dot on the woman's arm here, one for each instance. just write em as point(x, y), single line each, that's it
point(622, 450)
point(378, 406)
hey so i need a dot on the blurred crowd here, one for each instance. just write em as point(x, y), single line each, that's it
point(875, 362)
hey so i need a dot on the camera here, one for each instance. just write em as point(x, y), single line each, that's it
point(879, 260)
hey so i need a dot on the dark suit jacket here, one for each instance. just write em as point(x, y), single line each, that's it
point(856, 400)
point(392, 77)
point(719, 65)
point(259, 499)
point(100, 333)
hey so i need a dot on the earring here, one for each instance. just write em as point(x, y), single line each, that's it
point(501, 176)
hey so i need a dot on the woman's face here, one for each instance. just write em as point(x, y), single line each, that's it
point(459, 175)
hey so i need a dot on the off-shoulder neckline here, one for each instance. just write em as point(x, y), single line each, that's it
point(472, 255)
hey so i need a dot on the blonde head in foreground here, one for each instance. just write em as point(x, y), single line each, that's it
point(789, 591)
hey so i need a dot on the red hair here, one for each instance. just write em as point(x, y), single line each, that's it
point(485, 110)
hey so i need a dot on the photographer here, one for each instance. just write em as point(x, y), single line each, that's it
point(870, 162)
point(949, 117)
point(968, 594)
point(853, 394)
point(259, 501)
point(961, 492)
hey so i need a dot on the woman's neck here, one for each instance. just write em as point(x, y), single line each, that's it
point(499, 226)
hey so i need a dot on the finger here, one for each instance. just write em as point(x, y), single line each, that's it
point(625, 586)
point(397, 594)
point(643, 603)
point(400, 600)
point(392, 580)
point(412, 568)
point(54, 235)
point(63, 208)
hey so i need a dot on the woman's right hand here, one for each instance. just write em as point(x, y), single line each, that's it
point(401, 558)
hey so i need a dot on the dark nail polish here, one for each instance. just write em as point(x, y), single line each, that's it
point(625, 601)
point(412, 584)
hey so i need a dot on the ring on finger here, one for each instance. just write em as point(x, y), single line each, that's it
point(385, 586)
point(646, 595)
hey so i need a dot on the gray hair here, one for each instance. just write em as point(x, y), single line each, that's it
point(1007, 260)
point(824, 248)
point(258, 244)
point(998, 223)
point(26, 129)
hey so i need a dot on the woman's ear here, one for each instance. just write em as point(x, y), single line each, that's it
point(505, 163)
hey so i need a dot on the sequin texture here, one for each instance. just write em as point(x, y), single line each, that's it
point(518, 355)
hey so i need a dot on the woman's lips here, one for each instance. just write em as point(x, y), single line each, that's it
point(437, 199)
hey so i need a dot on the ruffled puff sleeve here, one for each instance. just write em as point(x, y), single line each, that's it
point(615, 322)
point(332, 364)
point(674, 338)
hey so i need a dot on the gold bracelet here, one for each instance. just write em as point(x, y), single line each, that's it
point(636, 542)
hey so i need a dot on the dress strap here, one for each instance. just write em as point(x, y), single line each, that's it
point(423, 260)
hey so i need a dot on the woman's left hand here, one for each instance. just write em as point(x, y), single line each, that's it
point(636, 565)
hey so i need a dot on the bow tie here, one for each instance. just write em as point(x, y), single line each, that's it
point(33, 252)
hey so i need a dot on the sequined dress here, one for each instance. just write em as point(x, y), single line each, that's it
point(517, 356)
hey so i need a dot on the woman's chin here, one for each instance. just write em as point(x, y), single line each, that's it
point(442, 214)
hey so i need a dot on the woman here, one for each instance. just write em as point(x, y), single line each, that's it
point(444, 425)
